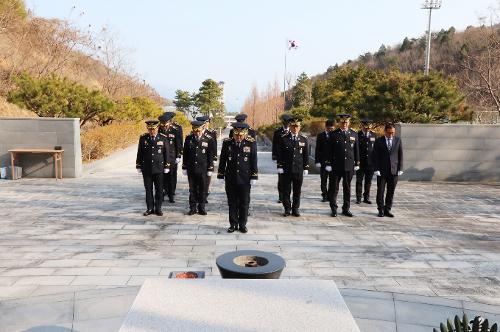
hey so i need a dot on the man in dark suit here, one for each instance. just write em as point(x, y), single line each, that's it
point(238, 168)
point(343, 161)
point(197, 164)
point(388, 165)
point(321, 155)
point(277, 135)
point(152, 162)
point(241, 119)
point(173, 132)
point(292, 163)
point(366, 139)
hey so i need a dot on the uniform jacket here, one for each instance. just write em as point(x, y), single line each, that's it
point(238, 165)
point(344, 151)
point(323, 144)
point(213, 134)
point(198, 154)
point(278, 133)
point(293, 156)
point(152, 154)
point(366, 148)
point(385, 161)
point(174, 143)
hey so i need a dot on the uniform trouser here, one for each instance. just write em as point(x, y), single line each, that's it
point(238, 199)
point(382, 181)
point(280, 186)
point(197, 189)
point(333, 189)
point(324, 175)
point(207, 188)
point(365, 174)
point(155, 180)
point(292, 180)
point(170, 181)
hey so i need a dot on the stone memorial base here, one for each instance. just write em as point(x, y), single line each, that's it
point(239, 305)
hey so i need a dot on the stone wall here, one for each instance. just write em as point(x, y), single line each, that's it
point(451, 152)
point(42, 133)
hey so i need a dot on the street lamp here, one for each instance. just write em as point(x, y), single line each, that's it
point(430, 5)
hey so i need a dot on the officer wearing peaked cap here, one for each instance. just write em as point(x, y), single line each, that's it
point(277, 135)
point(197, 164)
point(238, 168)
point(292, 162)
point(342, 162)
point(212, 133)
point(365, 172)
point(173, 132)
point(241, 118)
point(152, 161)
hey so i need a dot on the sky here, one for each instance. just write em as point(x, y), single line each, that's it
point(176, 44)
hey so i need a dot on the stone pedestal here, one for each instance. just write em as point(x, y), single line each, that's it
point(238, 305)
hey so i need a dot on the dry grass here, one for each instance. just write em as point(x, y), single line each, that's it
point(99, 142)
point(8, 110)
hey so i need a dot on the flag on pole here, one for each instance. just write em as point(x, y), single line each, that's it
point(292, 45)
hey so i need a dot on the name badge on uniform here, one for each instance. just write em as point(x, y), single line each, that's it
point(245, 159)
point(246, 149)
point(352, 138)
point(300, 150)
point(159, 151)
point(372, 139)
point(230, 158)
point(204, 144)
point(160, 142)
point(203, 151)
point(302, 144)
point(171, 135)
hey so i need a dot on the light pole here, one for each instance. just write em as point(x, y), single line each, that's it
point(430, 5)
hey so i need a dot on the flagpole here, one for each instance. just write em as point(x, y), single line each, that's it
point(284, 78)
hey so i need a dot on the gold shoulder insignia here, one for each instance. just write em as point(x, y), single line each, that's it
point(250, 139)
point(145, 134)
point(227, 139)
point(162, 134)
point(284, 135)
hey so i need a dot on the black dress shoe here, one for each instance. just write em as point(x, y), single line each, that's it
point(296, 213)
point(380, 213)
point(286, 214)
point(191, 212)
point(358, 201)
point(347, 213)
point(147, 213)
point(159, 213)
point(389, 214)
point(202, 212)
point(279, 201)
point(171, 199)
point(334, 213)
point(367, 201)
point(232, 229)
point(324, 199)
point(243, 229)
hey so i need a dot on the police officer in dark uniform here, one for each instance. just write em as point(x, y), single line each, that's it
point(238, 168)
point(197, 164)
point(293, 157)
point(323, 142)
point(213, 135)
point(241, 118)
point(152, 162)
point(277, 135)
point(173, 132)
point(366, 139)
point(342, 162)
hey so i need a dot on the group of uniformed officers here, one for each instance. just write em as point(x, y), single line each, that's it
point(339, 154)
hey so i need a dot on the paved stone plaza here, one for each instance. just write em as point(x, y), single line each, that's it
point(63, 240)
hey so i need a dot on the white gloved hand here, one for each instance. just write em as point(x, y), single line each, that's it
point(275, 161)
point(356, 168)
point(328, 168)
point(166, 170)
point(253, 182)
point(139, 171)
point(209, 173)
point(280, 171)
point(306, 172)
point(377, 173)
point(318, 165)
point(184, 172)
point(177, 160)
point(400, 173)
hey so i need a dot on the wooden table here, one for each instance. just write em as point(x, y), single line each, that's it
point(56, 154)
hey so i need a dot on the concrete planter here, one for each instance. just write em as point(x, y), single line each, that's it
point(250, 264)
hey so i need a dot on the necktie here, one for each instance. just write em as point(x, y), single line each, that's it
point(389, 144)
